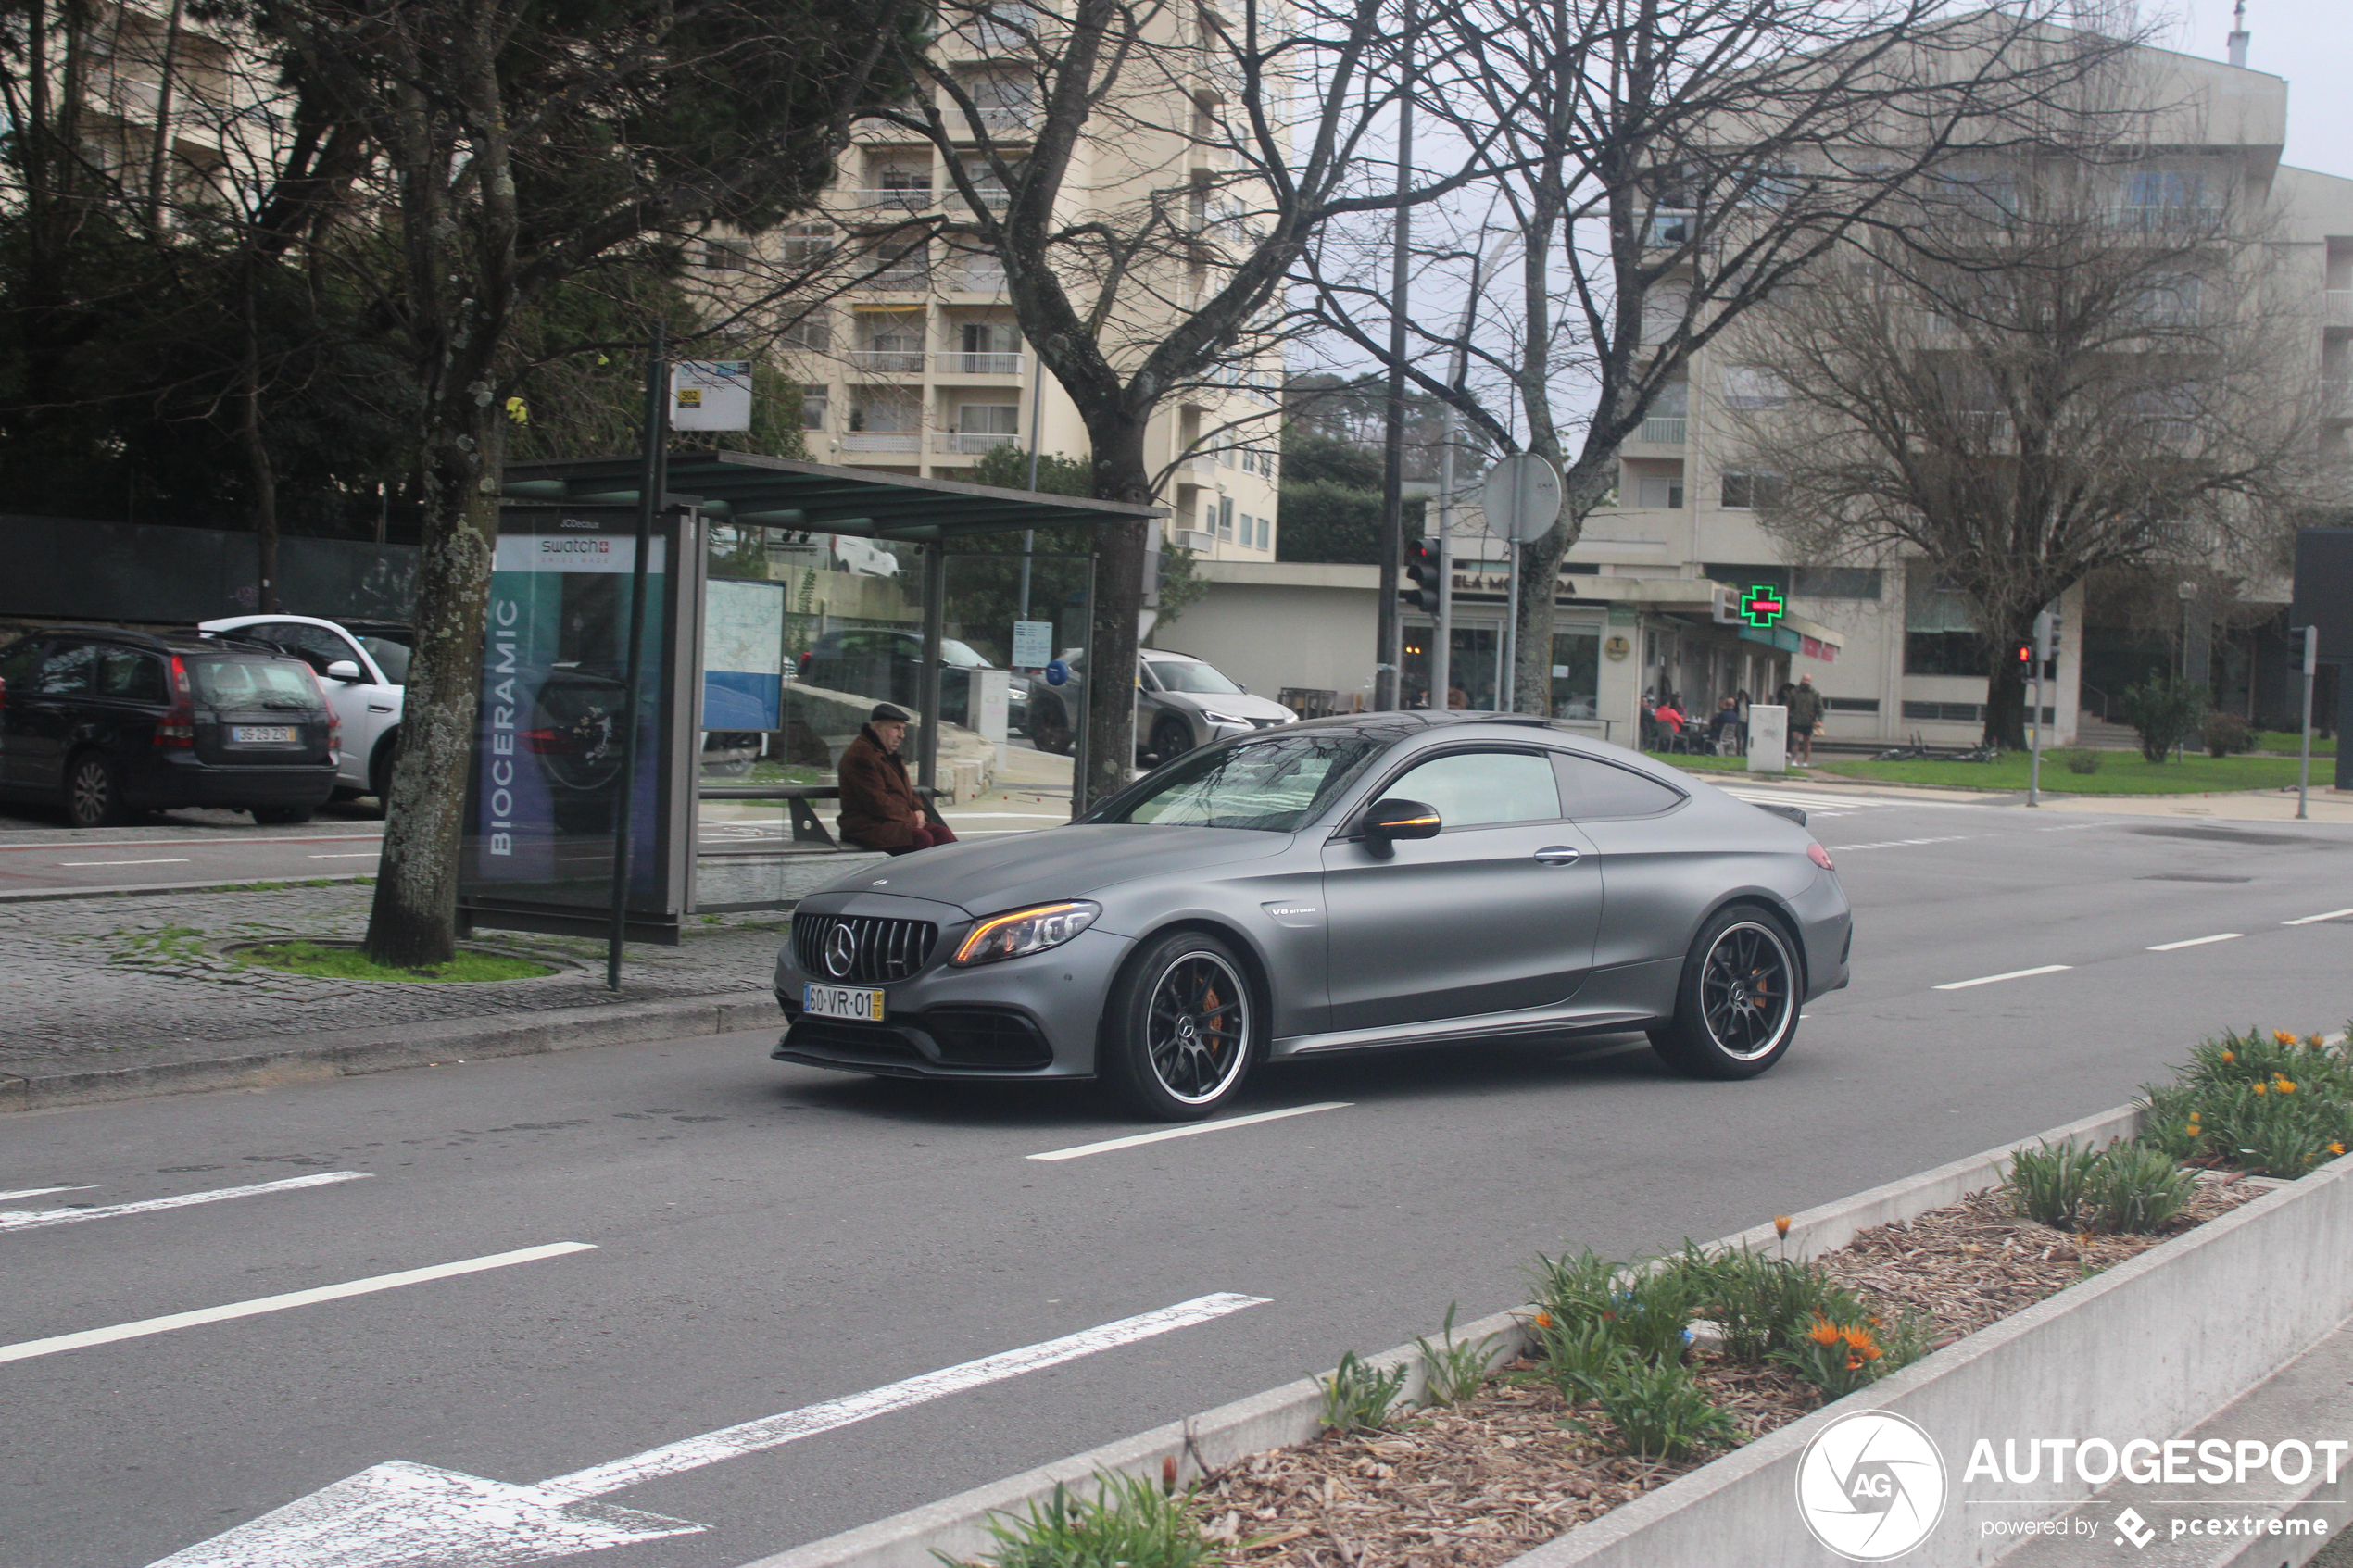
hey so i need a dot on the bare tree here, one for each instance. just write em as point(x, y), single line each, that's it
point(1147, 177)
point(2041, 367)
point(1659, 167)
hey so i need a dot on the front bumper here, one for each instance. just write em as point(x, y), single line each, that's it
point(1034, 1017)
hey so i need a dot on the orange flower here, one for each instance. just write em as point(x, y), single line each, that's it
point(2284, 1036)
point(2229, 1056)
point(2336, 1149)
point(1780, 1227)
point(1858, 1340)
point(2259, 1088)
point(1824, 1333)
point(2313, 1041)
point(1544, 1320)
point(2285, 1085)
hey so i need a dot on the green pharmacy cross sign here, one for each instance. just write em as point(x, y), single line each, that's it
point(1762, 606)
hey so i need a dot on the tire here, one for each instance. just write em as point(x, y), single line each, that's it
point(380, 769)
point(1736, 1007)
point(93, 794)
point(1049, 726)
point(1172, 737)
point(281, 816)
point(1182, 1028)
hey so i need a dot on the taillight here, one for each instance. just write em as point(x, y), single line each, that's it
point(1819, 855)
point(334, 720)
point(178, 726)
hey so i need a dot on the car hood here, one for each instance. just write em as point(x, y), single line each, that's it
point(986, 876)
point(1242, 707)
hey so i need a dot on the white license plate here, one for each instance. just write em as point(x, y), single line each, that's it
point(261, 734)
point(842, 1001)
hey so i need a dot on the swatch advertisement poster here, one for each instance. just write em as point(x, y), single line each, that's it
point(549, 747)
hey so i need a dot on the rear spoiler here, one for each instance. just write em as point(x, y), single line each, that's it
point(1792, 813)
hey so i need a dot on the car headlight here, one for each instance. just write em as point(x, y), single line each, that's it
point(1222, 717)
point(1023, 932)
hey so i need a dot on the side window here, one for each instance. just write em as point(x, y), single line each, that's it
point(135, 677)
point(1602, 789)
point(1480, 789)
point(18, 661)
point(71, 671)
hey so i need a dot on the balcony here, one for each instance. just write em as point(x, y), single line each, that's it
point(1663, 430)
point(895, 361)
point(2338, 304)
point(900, 280)
point(1200, 541)
point(974, 277)
point(2336, 400)
point(1668, 229)
point(971, 442)
point(960, 363)
point(882, 440)
point(894, 197)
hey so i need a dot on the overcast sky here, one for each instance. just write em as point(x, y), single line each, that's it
point(2310, 43)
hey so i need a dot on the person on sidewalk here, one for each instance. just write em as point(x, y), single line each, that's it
point(1805, 713)
point(879, 807)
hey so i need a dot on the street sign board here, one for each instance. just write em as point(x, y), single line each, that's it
point(710, 394)
point(1032, 644)
point(2324, 588)
point(1522, 497)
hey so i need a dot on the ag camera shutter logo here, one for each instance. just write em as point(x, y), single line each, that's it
point(1870, 1485)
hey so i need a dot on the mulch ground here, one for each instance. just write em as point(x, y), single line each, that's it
point(1516, 1465)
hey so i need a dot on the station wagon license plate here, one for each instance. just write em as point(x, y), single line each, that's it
point(842, 1001)
point(263, 734)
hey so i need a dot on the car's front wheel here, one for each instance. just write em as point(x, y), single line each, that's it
point(1183, 1026)
point(93, 794)
point(1736, 1009)
point(1172, 737)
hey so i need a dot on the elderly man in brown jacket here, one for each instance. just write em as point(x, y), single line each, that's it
point(879, 807)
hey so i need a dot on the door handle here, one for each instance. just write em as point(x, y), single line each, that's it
point(1558, 855)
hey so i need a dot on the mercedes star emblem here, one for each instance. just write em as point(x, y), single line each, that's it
point(841, 952)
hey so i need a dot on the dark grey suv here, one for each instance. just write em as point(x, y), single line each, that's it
point(107, 723)
point(1397, 879)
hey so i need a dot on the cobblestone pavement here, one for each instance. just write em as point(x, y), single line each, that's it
point(120, 974)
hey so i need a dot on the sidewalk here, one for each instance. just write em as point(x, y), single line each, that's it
point(2326, 804)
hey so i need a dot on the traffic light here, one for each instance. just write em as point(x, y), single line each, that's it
point(2024, 654)
point(2047, 626)
point(1421, 564)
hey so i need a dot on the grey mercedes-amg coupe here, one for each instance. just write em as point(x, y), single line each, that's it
point(1391, 879)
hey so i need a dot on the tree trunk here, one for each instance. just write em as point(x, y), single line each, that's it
point(1116, 606)
point(413, 922)
point(2005, 695)
point(258, 469)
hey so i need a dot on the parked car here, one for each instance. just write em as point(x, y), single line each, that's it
point(888, 665)
point(367, 696)
point(1181, 703)
point(1391, 879)
point(109, 722)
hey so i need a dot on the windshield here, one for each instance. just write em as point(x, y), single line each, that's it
point(392, 658)
point(254, 682)
point(960, 655)
point(1190, 675)
point(1272, 785)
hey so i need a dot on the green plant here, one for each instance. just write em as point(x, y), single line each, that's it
point(1839, 1355)
point(1761, 1302)
point(1574, 1289)
point(351, 963)
point(1658, 1408)
point(2227, 735)
point(1652, 1314)
point(2081, 759)
point(1357, 1395)
point(2136, 1188)
point(2048, 1185)
point(1571, 1355)
point(1453, 1369)
point(2165, 711)
point(1130, 1522)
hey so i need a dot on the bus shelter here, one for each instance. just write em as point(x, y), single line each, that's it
point(784, 600)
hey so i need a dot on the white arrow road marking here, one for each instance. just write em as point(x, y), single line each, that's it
point(28, 1348)
point(1136, 1139)
point(33, 1219)
point(403, 1515)
point(36, 1192)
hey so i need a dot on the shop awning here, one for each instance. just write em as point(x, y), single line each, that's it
point(739, 487)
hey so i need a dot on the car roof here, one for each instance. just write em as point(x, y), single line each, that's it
point(233, 621)
point(162, 642)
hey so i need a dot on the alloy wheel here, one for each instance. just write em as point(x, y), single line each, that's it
point(91, 800)
point(1747, 990)
point(1197, 1027)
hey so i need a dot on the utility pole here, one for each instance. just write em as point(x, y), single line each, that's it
point(1392, 498)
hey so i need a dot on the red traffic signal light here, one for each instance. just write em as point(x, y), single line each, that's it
point(1421, 564)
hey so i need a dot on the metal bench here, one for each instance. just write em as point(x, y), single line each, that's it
point(807, 827)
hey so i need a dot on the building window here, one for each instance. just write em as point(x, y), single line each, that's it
point(1749, 386)
point(990, 348)
point(1851, 704)
point(726, 256)
point(1657, 491)
point(1747, 490)
point(1940, 627)
point(1266, 532)
point(1748, 575)
point(1224, 517)
point(813, 408)
point(810, 334)
point(1837, 582)
point(805, 244)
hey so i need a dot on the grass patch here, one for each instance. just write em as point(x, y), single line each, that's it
point(349, 963)
point(2292, 742)
point(2121, 772)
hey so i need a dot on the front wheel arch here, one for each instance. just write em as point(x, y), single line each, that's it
point(1685, 1041)
point(1255, 972)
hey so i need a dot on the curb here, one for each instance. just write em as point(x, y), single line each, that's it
point(268, 1062)
point(1291, 1414)
point(152, 889)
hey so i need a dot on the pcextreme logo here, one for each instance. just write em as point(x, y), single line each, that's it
point(1870, 1485)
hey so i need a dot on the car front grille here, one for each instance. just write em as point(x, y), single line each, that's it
point(881, 951)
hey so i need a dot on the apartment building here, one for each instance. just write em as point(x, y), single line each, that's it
point(1687, 501)
point(919, 367)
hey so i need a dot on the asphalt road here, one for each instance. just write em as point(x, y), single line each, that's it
point(765, 1238)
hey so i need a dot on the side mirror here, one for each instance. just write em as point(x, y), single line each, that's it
point(345, 671)
point(1386, 821)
